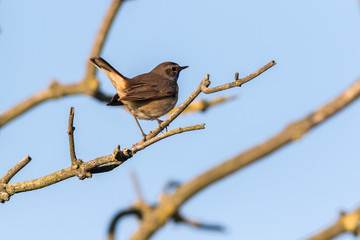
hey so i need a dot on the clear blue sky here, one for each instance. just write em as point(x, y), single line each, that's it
point(288, 195)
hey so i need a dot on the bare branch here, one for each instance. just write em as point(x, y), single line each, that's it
point(135, 180)
point(58, 176)
point(54, 91)
point(101, 37)
point(292, 132)
point(141, 145)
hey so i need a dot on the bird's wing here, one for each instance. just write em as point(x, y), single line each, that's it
point(115, 101)
point(148, 87)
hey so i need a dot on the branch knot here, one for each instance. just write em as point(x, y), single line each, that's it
point(350, 222)
point(79, 171)
point(4, 195)
point(122, 155)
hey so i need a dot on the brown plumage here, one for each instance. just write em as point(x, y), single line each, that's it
point(147, 96)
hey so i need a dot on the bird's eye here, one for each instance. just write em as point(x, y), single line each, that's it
point(174, 69)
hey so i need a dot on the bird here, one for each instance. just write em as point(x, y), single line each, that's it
point(147, 96)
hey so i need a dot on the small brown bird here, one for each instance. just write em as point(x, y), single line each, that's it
point(147, 96)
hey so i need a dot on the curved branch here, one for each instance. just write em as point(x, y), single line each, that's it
point(54, 91)
point(118, 217)
point(169, 205)
point(89, 85)
point(152, 140)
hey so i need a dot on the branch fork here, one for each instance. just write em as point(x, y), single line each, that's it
point(4, 193)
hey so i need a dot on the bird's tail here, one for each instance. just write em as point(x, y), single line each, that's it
point(102, 64)
point(117, 79)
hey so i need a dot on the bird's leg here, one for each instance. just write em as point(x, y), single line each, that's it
point(142, 132)
point(154, 118)
point(160, 122)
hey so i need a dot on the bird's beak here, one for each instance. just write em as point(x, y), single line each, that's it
point(181, 68)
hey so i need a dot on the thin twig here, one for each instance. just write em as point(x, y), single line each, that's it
point(70, 132)
point(238, 82)
point(76, 164)
point(135, 181)
point(15, 169)
point(291, 133)
point(178, 218)
point(141, 145)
